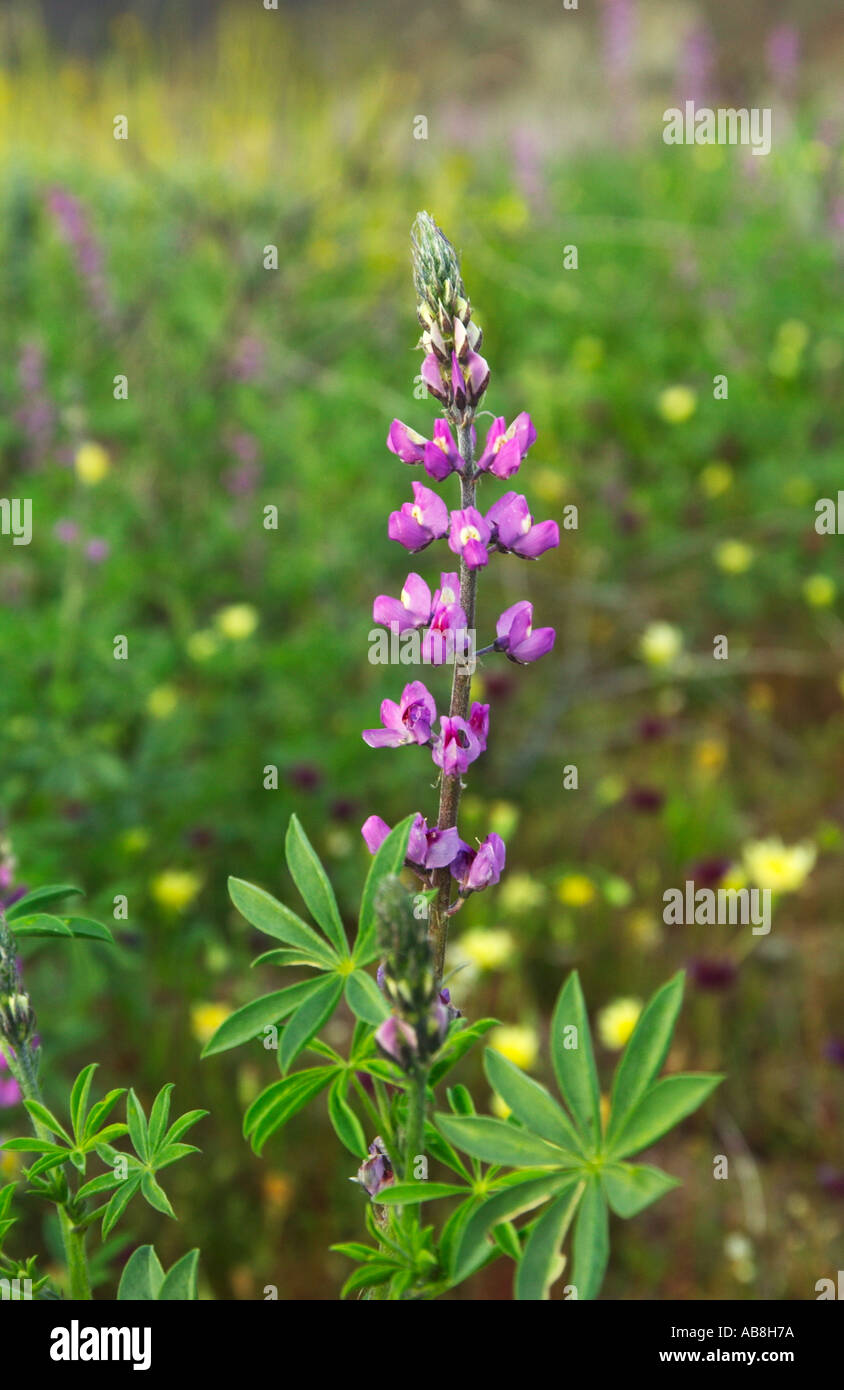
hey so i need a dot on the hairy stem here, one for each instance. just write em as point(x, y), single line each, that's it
point(416, 1104)
point(460, 691)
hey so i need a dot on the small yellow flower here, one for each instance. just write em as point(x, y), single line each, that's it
point(206, 1018)
point(519, 1043)
point(677, 404)
point(487, 948)
point(710, 755)
point(793, 335)
point(10, 1164)
point(162, 701)
point(733, 557)
point(660, 644)
point(202, 645)
point(716, 479)
point(92, 463)
point(175, 889)
point(783, 868)
point(521, 893)
point(819, 590)
point(135, 841)
point(237, 622)
point(576, 890)
point(616, 1022)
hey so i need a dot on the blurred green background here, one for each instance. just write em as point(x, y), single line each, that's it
point(248, 647)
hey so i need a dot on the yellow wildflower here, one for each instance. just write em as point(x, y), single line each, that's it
point(206, 1018)
point(733, 557)
point(487, 948)
point(716, 478)
point(519, 1043)
point(771, 864)
point(576, 890)
point(819, 590)
point(237, 622)
point(677, 404)
point(660, 644)
point(92, 463)
point(175, 889)
point(162, 701)
point(616, 1022)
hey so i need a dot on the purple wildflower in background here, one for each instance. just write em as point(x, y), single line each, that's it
point(409, 721)
point(694, 79)
point(66, 531)
point(783, 53)
point(36, 416)
point(10, 1092)
point(97, 550)
point(74, 228)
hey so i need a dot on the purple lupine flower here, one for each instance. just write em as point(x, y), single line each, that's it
point(441, 455)
point(456, 746)
point(477, 869)
point(513, 528)
point(10, 1092)
point(479, 723)
point(695, 76)
point(376, 1172)
point(374, 831)
point(469, 376)
point(426, 848)
point(406, 443)
point(409, 721)
point(468, 536)
point(397, 1040)
point(432, 378)
point(248, 359)
point(506, 446)
point(517, 638)
point(447, 635)
point(419, 522)
point(411, 610)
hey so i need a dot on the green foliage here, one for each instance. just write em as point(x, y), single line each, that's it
point(585, 1173)
point(143, 1278)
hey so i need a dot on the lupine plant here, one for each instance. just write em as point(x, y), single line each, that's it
point(563, 1163)
point(60, 1149)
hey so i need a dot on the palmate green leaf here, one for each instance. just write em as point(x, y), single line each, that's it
point(268, 915)
point(40, 898)
point(142, 1277)
point(159, 1115)
point(506, 1238)
point(284, 956)
point(645, 1053)
point(182, 1125)
point(365, 999)
point(496, 1141)
point(408, 1194)
point(662, 1106)
point(574, 1067)
point(457, 1044)
point(346, 1124)
point(388, 859)
point(180, 1282)
point(278, 1102)
point(629, 1188)
point(591, 1242)
point(101, 1110)
point(33, 1146)
point(531, 1103)
point(247, 1022)
point(323, 997)
point(89, 930)
point(369, 1276)
point(313, 883)
point(542, 1263)
point(473, 1247)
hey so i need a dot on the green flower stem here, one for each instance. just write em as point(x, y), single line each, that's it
point(460, 690)
point(22, 1067)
